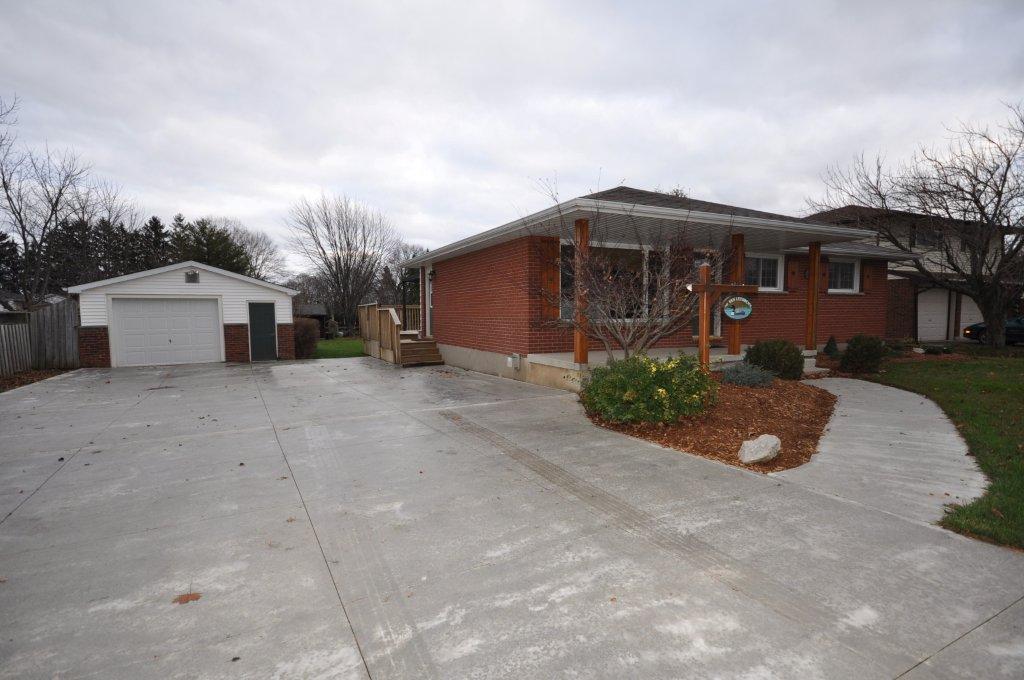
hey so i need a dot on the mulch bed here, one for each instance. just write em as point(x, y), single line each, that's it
point(26, 377)
point(824, 361)
point(795, 413)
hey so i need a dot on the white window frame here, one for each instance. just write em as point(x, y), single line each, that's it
point(780, 271)
point(616, 246)
point(856, 275)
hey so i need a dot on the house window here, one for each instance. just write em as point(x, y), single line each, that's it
point(842, 276)
point(764, 271)
point(637, 269)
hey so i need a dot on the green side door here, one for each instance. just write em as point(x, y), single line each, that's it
point(262, 331)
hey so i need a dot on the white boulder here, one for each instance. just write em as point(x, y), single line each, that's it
point(758, 450)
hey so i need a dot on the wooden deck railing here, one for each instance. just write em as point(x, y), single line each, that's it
point(381, 331)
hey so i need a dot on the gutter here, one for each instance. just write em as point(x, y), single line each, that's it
point(635, 210)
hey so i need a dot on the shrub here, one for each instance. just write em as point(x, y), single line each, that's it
point(643, 389)
point(781, 357)
point(863, 354)
point(899, 345)
point(332, 328)
point(831, 348)
point(932, 349)
point(307, 333)
point(747, 375)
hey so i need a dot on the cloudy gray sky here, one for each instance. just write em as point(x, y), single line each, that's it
point(446, 115)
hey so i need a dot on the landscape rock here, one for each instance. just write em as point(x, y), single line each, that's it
point(758, 450)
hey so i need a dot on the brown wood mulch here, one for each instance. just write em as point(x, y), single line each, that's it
point(9, 382)
point(795, 413)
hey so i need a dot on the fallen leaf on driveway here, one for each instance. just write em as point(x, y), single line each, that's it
point(185, 598)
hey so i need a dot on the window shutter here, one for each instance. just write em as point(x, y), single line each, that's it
point(549, 277)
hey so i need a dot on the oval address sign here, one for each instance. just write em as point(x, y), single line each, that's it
point(737, 307)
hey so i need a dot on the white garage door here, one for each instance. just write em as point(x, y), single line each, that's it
point(154, 331)
point(969, 314)
point(932, 315)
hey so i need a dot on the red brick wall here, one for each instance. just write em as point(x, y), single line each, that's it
point(236, 342)
point(481, 300)
point(902, 309)
point(285, 341)
point(489, 300)
point(93, 347)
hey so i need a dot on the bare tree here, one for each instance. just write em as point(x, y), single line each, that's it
point(37, 191)
point(961, 207)
point(634, 296)
point(265, 259)
point(346, 244)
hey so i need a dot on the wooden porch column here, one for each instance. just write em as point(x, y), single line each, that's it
point(704, 322)
point(737, 275)
point(813, 283)
point(581, 235)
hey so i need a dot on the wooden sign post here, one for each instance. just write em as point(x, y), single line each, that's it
point(709, 294)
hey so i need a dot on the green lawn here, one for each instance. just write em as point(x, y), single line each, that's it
point(339, 348)
point(984, 397)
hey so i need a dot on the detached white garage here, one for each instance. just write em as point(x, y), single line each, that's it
point(184, 313)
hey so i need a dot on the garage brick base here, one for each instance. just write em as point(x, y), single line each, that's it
point(236, 342)
point(93, 347)
point(94, 344)
point(285, 341)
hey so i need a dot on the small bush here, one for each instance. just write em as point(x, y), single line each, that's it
point(831, 348)
point(932, 349)
point(863, 354)
point(781, 357)
point(643, 389)
point(331, 329)
point(899, 345)
point(307, 334)
point(747, 375)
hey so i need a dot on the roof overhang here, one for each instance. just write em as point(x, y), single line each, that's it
point(628, 223)
point(190, 264)
point(860, 250)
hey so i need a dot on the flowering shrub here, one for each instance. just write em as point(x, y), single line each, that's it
point(644, 389)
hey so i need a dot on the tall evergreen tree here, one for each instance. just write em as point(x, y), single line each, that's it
point(205, 242)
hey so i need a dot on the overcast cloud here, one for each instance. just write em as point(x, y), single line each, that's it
point(445, 116)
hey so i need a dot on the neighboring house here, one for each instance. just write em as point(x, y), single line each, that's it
point(181, 314)
point(918, 309)
point(313, 310)
point(481, 304)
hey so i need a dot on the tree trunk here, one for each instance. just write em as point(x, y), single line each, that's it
point(995, 327)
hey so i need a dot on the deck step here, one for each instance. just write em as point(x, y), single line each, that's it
point(420, 353)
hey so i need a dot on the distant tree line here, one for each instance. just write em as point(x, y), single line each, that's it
point(60, 227)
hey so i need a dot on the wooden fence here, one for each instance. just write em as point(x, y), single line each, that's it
point(48, 340)
point(54, 335)
point(15, 348)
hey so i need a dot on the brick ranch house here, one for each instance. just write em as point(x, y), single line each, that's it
point(183, 313)
point(484, 310)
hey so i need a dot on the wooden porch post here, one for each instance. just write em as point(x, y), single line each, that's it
point(704, 324)
point(581, 235)
point(813, 283)
point(737, 275)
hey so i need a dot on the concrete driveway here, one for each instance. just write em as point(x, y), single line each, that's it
point(348, 519)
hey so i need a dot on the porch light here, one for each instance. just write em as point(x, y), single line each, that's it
point(430, 275)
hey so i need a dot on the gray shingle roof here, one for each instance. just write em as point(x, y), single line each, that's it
point(641, 197)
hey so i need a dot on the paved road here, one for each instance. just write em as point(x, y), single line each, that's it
point(348, 519)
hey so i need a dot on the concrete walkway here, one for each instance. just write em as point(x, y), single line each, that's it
point(348, 519)
point(891, 450)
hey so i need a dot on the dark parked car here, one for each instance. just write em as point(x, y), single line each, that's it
point(1014, 331)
